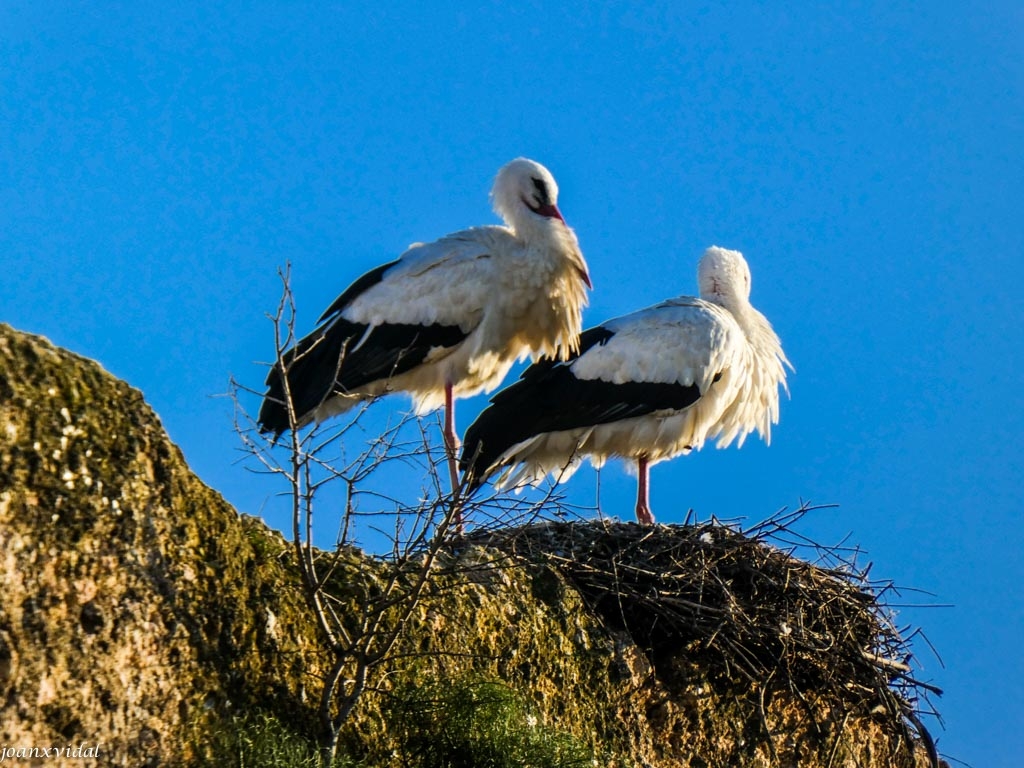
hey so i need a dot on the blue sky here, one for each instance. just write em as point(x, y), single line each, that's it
point(157, 166)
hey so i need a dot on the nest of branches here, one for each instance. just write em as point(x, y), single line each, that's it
point(741, 604)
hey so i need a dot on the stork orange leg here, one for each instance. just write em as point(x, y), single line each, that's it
point(643, 505)
point(451, 444)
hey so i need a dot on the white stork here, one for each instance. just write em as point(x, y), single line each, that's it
point(447, 319)
point(647, 386)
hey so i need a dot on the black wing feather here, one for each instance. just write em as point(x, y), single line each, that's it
point(332, 361)
point(337, 360)
point(361, 285)
point(549, 398)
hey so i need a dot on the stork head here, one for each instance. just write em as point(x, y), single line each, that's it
point(724, 277)
point(525, 190)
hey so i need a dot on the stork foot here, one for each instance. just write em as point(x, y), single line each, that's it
point(644, 515)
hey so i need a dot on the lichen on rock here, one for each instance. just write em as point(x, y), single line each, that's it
point(133, 598)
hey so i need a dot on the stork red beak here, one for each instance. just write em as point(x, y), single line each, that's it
point(586, 278)
point(547, 210)
point(551, 211)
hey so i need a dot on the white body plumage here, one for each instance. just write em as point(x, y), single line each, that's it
point(682, 341)
point(447, 318)
point(512, 297)
point(647, 386)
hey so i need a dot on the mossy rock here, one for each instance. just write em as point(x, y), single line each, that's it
point(137, 604)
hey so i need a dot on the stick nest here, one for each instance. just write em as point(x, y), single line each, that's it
point(741, 605)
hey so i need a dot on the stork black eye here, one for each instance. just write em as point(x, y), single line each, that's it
point(542, 191)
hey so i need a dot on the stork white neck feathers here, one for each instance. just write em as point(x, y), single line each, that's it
point(724, 278)
point(525, 196)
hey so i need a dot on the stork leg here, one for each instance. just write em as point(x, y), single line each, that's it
point(643, 505)
point(451, 445)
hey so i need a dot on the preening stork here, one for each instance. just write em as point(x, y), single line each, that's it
point(647, 386)
point(446, 319)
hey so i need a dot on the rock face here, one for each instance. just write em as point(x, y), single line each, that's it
point(134, 601)
point(139, 614)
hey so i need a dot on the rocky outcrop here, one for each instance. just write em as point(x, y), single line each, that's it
point(134, 601)
point(140, 615)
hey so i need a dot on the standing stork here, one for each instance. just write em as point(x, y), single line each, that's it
point(446, 319)
point(647, 386)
